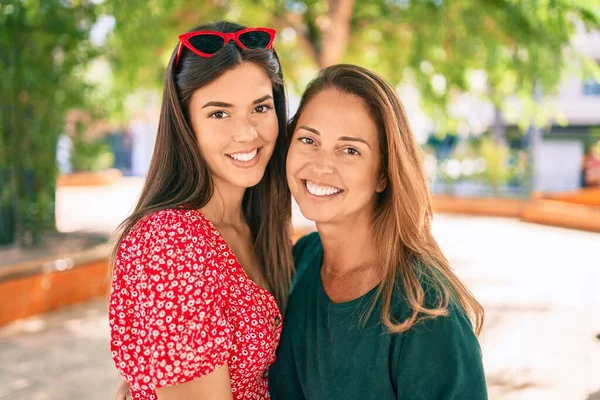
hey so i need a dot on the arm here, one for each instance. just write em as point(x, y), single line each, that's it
point(440, 359)
point(122, 390)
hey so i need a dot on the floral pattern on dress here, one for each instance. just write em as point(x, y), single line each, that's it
point(181, 306)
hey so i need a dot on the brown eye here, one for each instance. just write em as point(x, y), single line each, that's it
point(306, 140)
point(218, 115)
point(262, 109)
point(352, 151)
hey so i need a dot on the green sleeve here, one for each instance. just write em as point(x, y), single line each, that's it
point(440, 359)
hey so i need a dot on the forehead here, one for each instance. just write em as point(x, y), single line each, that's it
point(243, 84)
point(340, 114)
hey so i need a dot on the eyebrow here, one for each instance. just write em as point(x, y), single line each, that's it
point(264, 98)
point(308, 128)
point(229, 105)
point(343, 138)
point(353, 139)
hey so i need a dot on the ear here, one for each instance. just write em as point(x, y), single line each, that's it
point(382, 185)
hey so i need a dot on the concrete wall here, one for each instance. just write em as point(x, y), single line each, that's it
point(558, 165)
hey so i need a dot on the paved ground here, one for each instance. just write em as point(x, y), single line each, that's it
point(63, 355)
point(540, 287)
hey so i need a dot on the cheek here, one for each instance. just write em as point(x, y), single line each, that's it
point(268, 127)
point(364, 178)
point(289, 164)
point(212, 132)
point(297, 158)
point(209, 142)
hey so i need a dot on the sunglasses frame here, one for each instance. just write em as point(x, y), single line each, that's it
point(184, 40)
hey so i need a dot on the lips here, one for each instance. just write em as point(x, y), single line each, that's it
point(244, 156)
point(321, 190)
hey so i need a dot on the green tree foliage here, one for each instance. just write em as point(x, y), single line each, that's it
point(89, 155)
point(44, 49)
point(434, 44)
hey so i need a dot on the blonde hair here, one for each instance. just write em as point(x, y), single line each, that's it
point(402, 224)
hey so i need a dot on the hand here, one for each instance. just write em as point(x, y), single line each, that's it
point(123, 391)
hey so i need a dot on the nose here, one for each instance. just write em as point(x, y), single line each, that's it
point(323, 164)
point(244, 131)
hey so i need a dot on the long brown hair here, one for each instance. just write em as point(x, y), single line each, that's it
point(179, 177)
point(407, 253)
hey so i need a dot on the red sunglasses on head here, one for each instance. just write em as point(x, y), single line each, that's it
point(207, 43)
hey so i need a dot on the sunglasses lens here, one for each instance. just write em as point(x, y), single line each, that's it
point(207, 43)
point(255, 39)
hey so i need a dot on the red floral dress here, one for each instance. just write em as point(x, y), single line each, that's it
point(181, 306)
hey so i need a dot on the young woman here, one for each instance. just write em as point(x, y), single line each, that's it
point(204, 263)
point(376, 312)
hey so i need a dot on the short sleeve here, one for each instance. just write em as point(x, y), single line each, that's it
point(167, 322)
point(440, 359)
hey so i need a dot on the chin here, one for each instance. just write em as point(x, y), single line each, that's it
point(248, 181)
point(316, 213)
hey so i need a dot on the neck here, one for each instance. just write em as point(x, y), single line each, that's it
point(348, 245)
point(225, 206)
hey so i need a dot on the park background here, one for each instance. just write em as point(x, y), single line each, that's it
point(503, 96)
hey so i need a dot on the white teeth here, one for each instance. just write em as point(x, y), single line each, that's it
point(321, 190)
point(244, 156)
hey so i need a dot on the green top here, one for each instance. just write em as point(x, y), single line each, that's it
point(325, 353)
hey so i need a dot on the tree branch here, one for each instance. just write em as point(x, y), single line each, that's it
point(283, 20)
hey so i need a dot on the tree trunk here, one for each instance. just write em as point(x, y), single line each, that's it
point(535, 138)
point(7, 198)
point(335, 32)
point(498, 127)
point(17, 136)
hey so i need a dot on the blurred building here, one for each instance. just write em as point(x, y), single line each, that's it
point(558, 150)
point(564, 148)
